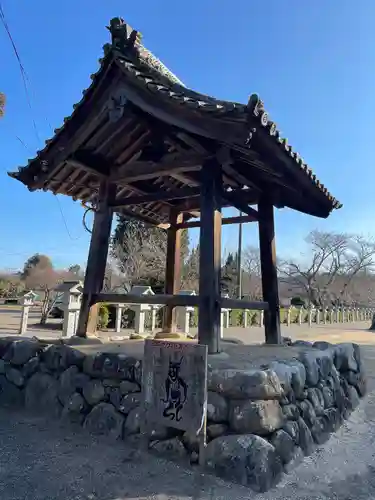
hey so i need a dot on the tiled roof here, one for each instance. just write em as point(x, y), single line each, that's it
point(139, 63)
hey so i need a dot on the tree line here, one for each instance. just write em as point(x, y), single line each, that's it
point(335, 269)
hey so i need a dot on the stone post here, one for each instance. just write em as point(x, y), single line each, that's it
point(118, 317)
point(310, 315)
point(261, 318)
point(245, 317)
point(300, 313)
point(139, 325)
point(288, 316)
point(183, 318)
point(331, 315)
point(153, 319)
point(27, 302)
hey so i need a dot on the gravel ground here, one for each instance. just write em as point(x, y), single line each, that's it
point(39, 460)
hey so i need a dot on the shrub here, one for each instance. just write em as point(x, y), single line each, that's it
point(254, 319)
point(297, 301)
point(194, 318)
point(103, 316)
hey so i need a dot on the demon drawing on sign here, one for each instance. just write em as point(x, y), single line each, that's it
point(175, 391)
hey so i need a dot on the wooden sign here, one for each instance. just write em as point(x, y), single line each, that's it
point(175, 385)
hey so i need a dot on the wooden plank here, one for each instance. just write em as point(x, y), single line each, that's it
point(159, 299)
point(87, 168)
point(210, 256)
point(172, 270)
point(227, 303)
point(156, 196)
point(97, 258)
point(224, 222)
point(180, 366)
point(269, 271)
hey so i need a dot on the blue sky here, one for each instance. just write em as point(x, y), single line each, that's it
point(311, 62)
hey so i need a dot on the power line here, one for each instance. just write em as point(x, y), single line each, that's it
point(65, 223)
point(25, 78)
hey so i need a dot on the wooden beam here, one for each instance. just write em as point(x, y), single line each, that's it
point(97, 258)
point(269, 271)
point(172, 271)
point(159, 299)
point(210, 256)
point(156, 196)
point(236, 200)
point(224, 222)
point(227, 303)
point(168, 166)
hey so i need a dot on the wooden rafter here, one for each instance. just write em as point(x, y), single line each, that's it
point(224, 222)
point(169, 165)
point(156, 196)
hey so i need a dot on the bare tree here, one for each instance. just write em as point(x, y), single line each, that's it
point(252, 276)
point(325, 275)
point(44, 279)
point(190, 271)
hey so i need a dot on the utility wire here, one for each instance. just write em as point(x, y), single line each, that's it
point(24, 76)
point(26, 81)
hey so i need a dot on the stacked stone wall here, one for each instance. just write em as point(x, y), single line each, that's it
point(261, 421)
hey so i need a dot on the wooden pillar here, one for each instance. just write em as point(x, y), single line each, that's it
point(210, 256)
point(173, 270)
point(269, 271)
point(97, 260)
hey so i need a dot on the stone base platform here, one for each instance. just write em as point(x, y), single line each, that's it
point(268, 406)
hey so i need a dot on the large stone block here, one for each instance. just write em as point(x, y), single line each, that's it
point(14, 376)
point(20, 351)
point(255, 417)
point(60, 357)
point(114, 366)
point(245, 384)
point(357, 380)
point(104, 420)
point(10, 395)
point(318, 365)
point(346, 357)
point(284, 445)
point(217, 408)
point(70, 381)
point(305, 438)
point(307, 412)
point(247, 459)
point(292, 375)
point(41, 394)
point(75, 409)
point(133, 421)
point(93, 392)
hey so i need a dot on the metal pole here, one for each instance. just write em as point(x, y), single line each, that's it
point(239, 260)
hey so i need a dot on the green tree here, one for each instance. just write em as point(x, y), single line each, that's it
point(228, 281)
point(76, 270)
point(40, 261)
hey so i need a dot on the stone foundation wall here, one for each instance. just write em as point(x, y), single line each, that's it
point(261, 421)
